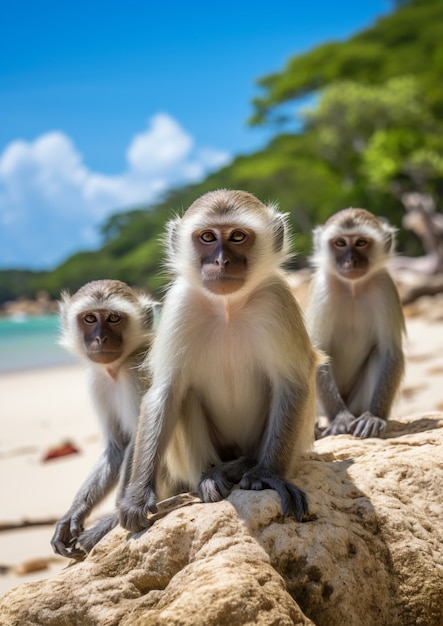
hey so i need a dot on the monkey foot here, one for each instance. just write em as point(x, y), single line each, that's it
point(217, 481)
point(91, 536)
point(213, 488)
point(292, 498)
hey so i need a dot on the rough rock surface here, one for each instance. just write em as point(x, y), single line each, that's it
point(369, 553)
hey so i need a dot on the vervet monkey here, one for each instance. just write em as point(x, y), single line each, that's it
point(355, 316)
point(109, 325)
point(233, 369)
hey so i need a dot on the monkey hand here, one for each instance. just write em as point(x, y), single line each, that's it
point(292, 498)
point(134, 507)
point(217, 481)
point(368, 425)
point(67, 531)
point(341, 424)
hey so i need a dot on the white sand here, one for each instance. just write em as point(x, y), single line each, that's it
point(41, 409)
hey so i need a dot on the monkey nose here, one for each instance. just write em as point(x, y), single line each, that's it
point(221, 261)
point(349, 262)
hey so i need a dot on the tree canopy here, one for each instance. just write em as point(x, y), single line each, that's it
point(406, 42)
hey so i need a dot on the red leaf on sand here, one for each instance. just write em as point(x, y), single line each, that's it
point(63, 450)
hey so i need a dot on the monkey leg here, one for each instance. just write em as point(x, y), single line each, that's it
point(292, 498)
point(99, 482)
point(91, 536)
point(217, 481)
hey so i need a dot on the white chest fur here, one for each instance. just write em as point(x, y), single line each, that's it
point(117, 397)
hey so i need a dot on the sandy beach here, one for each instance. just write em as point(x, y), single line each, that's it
point(41, 409)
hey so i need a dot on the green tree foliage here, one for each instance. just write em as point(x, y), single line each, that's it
point(19, 284)
point(383, 134)
point(373, 132)
point(406, 42)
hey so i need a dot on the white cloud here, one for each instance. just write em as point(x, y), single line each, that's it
point(163, 145)
point(50, 200)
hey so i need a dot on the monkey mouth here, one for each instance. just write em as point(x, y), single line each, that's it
point(104, 356)
point(223, 284)
point(352, 270)
point(352, 273)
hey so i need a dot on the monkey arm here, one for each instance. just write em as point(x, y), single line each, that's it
point(389, 379)
point(96, 486)
point(372, 423)
point(157, 420)
point(288, 413)
point(91, 536)
point(337, 412)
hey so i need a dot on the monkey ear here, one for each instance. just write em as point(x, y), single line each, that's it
point(389, 239)
point(64, 302)
point(148, 317)
point(171, 236)
point(389, 233)
point(316, 237)
point(388, 242)
point(156, 312)
point(65, 295)
point(279, 230)
point(150, 311)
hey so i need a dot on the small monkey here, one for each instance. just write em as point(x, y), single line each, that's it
point(355, 316)
point(110, 326)
point(232, 367)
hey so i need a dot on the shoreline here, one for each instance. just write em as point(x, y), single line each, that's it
point(41, 367)
point(32, 343)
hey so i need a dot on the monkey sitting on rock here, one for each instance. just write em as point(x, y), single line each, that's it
point(232, 366)
point(110, 326)
point(355, 316)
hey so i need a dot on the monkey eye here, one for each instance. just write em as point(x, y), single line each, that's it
point(361, 243)
point(207, 236)
point(114, 318)
point(340, 243)
point(90, 318)
point(237, 236)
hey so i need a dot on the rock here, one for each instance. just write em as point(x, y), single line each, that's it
point(369, 553)
point(198, 565)
point(42, 305)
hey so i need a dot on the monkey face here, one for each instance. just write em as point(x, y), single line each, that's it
point(351, 254)
point(102, 334)
point(223, 251)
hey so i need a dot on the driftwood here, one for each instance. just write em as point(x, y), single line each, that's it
point(27, 523)
point(423, 275)
point(428, 286)
point(426, 222)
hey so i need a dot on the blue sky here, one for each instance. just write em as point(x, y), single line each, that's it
point(104, 105)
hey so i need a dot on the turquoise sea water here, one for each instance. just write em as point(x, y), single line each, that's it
point(31, 342)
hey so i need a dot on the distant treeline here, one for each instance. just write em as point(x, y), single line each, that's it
point(373, 134)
